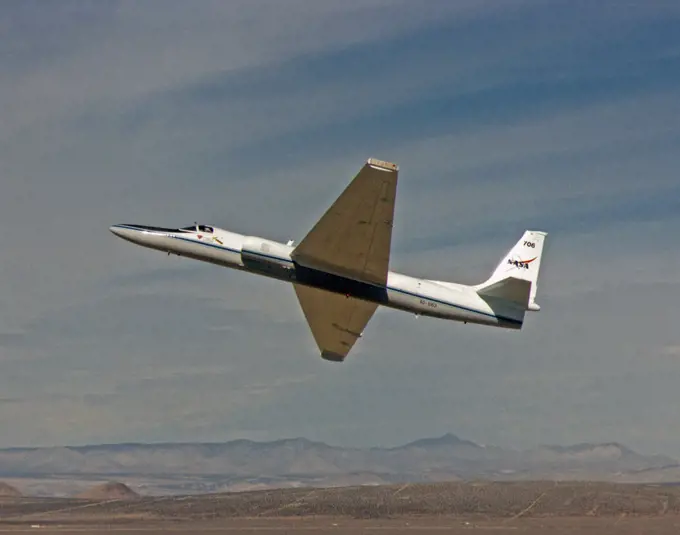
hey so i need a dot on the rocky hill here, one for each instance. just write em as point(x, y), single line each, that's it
point(8, 491)
point(112, 490)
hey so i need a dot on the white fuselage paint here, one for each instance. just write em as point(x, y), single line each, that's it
point(272, 259)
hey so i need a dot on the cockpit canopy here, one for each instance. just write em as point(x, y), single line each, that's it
point(199, 228)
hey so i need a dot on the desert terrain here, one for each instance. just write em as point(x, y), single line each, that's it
point(498, 507)
point(432, 485)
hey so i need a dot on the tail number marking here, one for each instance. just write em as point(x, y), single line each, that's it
point(529, 244)
point(428, 303)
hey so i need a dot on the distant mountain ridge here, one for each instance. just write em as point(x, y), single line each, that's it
point(244, 464)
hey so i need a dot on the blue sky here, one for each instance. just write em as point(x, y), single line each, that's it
point(254, 115)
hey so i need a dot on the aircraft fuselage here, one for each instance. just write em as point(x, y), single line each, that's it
point(273, 259)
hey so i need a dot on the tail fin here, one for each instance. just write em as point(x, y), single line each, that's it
point(516, 277)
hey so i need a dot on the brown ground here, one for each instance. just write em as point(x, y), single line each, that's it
point(527, 508)
point(344, 526)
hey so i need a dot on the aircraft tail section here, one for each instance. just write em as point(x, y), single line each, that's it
point(516, 277)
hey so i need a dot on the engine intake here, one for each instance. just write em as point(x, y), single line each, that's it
point(267, 256)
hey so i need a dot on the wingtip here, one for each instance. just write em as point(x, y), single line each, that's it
point(382, 164)
point(332, 357)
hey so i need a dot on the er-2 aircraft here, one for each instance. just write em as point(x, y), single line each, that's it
point(340, 270)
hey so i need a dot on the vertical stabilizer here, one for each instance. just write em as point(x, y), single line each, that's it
point(520, 266)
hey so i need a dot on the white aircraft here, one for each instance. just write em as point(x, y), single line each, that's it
point(340, 270)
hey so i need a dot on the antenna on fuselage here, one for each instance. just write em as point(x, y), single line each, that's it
point(290, 242)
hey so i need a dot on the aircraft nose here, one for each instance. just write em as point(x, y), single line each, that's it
point(139, 235)
point(124, 231)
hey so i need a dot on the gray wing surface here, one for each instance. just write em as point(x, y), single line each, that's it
point(352, 239)
point(336, 321)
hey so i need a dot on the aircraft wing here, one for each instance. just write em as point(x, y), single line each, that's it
point(352, 239)
point(336, 321)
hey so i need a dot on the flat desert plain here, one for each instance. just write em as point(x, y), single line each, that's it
point(525, 507)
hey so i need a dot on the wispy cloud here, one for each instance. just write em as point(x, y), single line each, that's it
point(254, 115)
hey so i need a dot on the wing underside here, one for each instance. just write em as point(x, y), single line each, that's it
point(336, 321)
point(352, 239)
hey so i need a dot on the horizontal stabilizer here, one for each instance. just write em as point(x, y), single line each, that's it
point(510, 289)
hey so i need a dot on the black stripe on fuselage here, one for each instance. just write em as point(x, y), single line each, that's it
point(338, 284)
point(153, 229)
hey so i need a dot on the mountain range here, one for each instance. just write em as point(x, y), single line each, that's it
point(171, 468)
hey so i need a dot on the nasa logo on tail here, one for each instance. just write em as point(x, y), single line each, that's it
point(521, 264)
